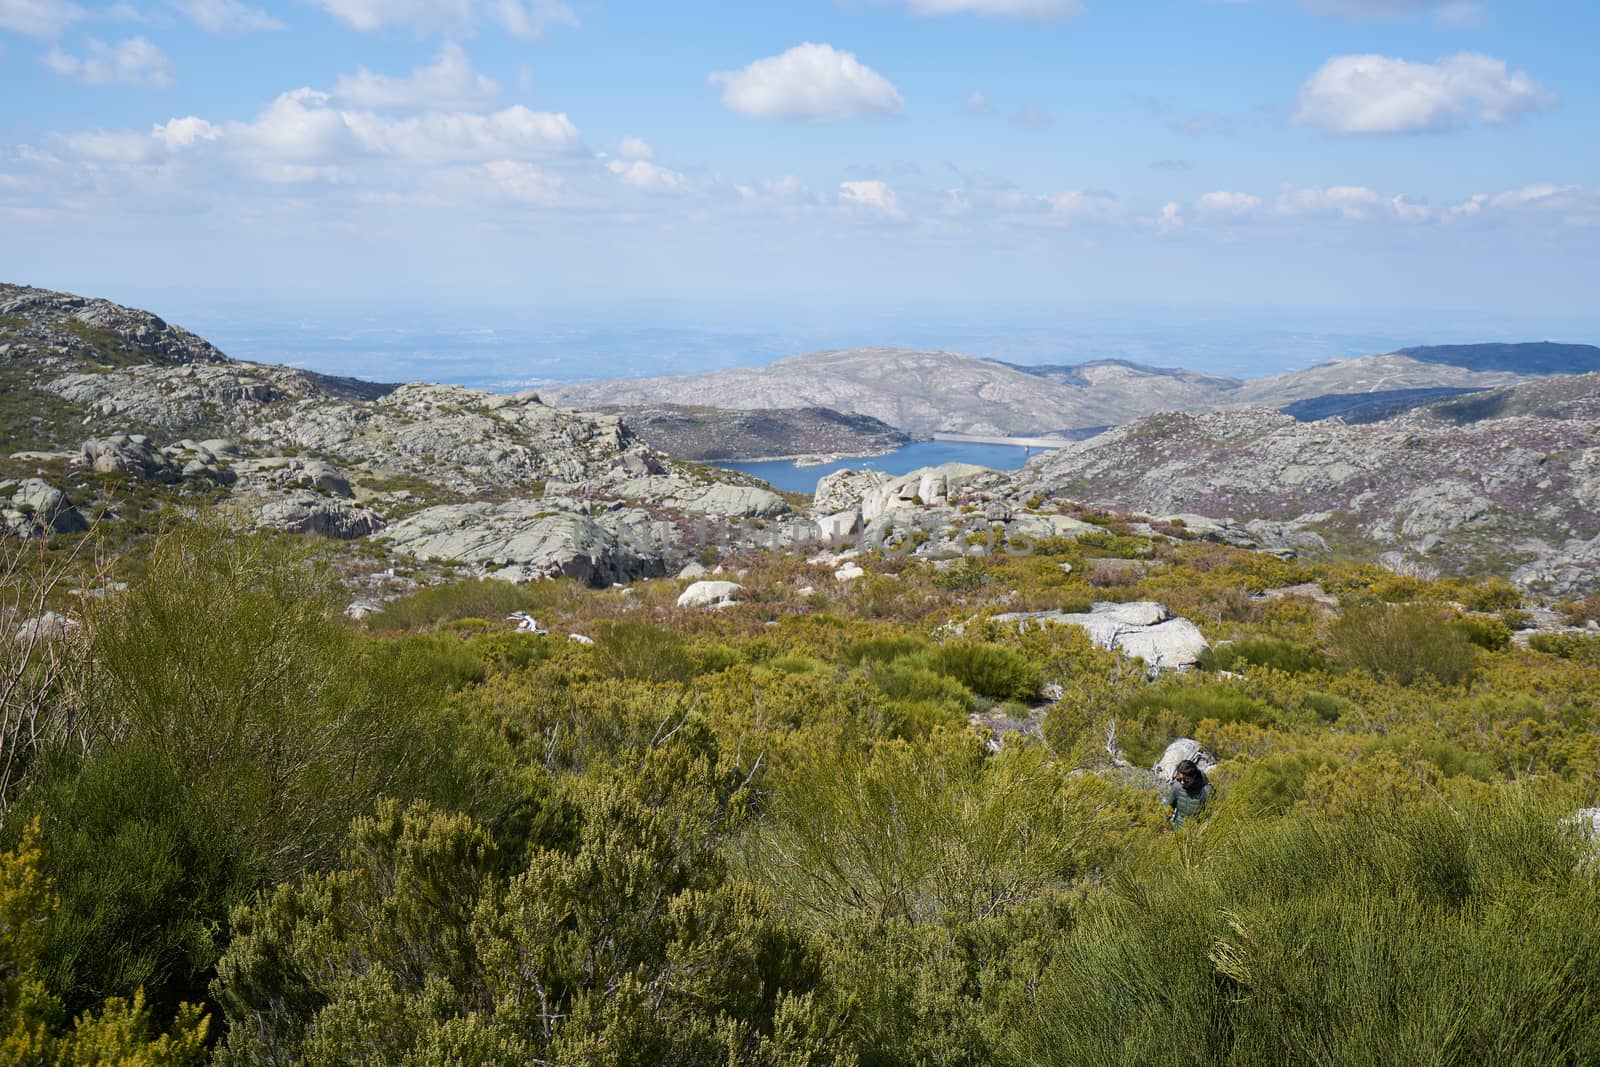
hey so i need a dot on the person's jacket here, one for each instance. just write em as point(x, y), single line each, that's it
point(1184, 802)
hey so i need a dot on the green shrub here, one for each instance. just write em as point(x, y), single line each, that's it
point(991, 671)
point(483, 598)
point(882, 649)
point(643, 652)
point(1492, 635)
point(1404, 643)
point(236, 724)
point(1327, 706)
point(969, 572)
point(1271, 652)
point(1391, 936)
point(1565, 645)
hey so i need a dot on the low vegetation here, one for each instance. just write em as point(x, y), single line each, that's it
point(251, 831)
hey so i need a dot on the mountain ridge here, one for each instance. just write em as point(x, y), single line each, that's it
point(923, 392)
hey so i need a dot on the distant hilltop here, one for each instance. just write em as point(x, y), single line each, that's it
point(928, 392)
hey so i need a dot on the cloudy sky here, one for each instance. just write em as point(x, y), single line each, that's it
point(1344, 155)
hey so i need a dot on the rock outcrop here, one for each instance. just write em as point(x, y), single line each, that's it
point(502, 484)
point(710, 594)
point(33, 507)
point(1144, 629)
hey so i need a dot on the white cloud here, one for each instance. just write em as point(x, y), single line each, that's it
point(1171, 218)
point(636, 148)
point(1226, 204)
point(977, 103)
point(302, 128)
point(1046, 10)
point(1346, 203)
point(1377, 94)
point(226, 16)
point(809, 82)
point(1574, 205)
point(1082, 207)
point(108, 146)
point(524, 19)
point(178, 134)
point(647, 176)
point(524, 182)
point(132, 62)
point(450, 84)
point(38, 18)
point(874, 196)
point(513, 132)
point(787, 195)
point(1353, 203)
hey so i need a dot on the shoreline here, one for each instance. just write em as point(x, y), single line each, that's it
point(815, 459)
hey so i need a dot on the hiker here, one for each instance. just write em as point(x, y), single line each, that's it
point(1187, 793)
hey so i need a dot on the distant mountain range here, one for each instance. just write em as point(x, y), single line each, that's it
point(924, 393)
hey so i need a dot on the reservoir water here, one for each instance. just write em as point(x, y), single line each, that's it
point(785, 475)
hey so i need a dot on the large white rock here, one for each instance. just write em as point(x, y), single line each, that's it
point(840, 525)
point(47, 627)
point(1144, 629)
point(1184, 748)
point(842, 490)
point(1136, 613)
point(1173, 645)
point(709, 594)
point(928, 486)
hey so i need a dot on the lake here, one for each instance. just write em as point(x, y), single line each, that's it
point(784, 475)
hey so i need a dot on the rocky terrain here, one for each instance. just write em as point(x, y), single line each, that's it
point(945, 392)
point(925, 392)
point(107, 409)
point(112, 404)
point(707, 433)
point(1505, 481)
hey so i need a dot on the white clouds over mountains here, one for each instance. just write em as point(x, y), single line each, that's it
point(1373, 94)
point(809, 82)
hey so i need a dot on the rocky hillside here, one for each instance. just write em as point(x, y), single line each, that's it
point(1502, 483)
point(933, 392)
point(108, 410)
point(924, 392)
point(1506, 481)
point(706, 433)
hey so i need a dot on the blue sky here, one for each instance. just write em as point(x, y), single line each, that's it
point(1341, 160)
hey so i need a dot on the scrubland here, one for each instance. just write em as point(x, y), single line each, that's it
point(239, 828)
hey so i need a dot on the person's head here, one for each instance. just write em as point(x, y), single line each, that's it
point(1187, 774)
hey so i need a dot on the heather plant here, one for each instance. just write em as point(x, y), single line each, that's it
point(1403, 643)
point(629, 944)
